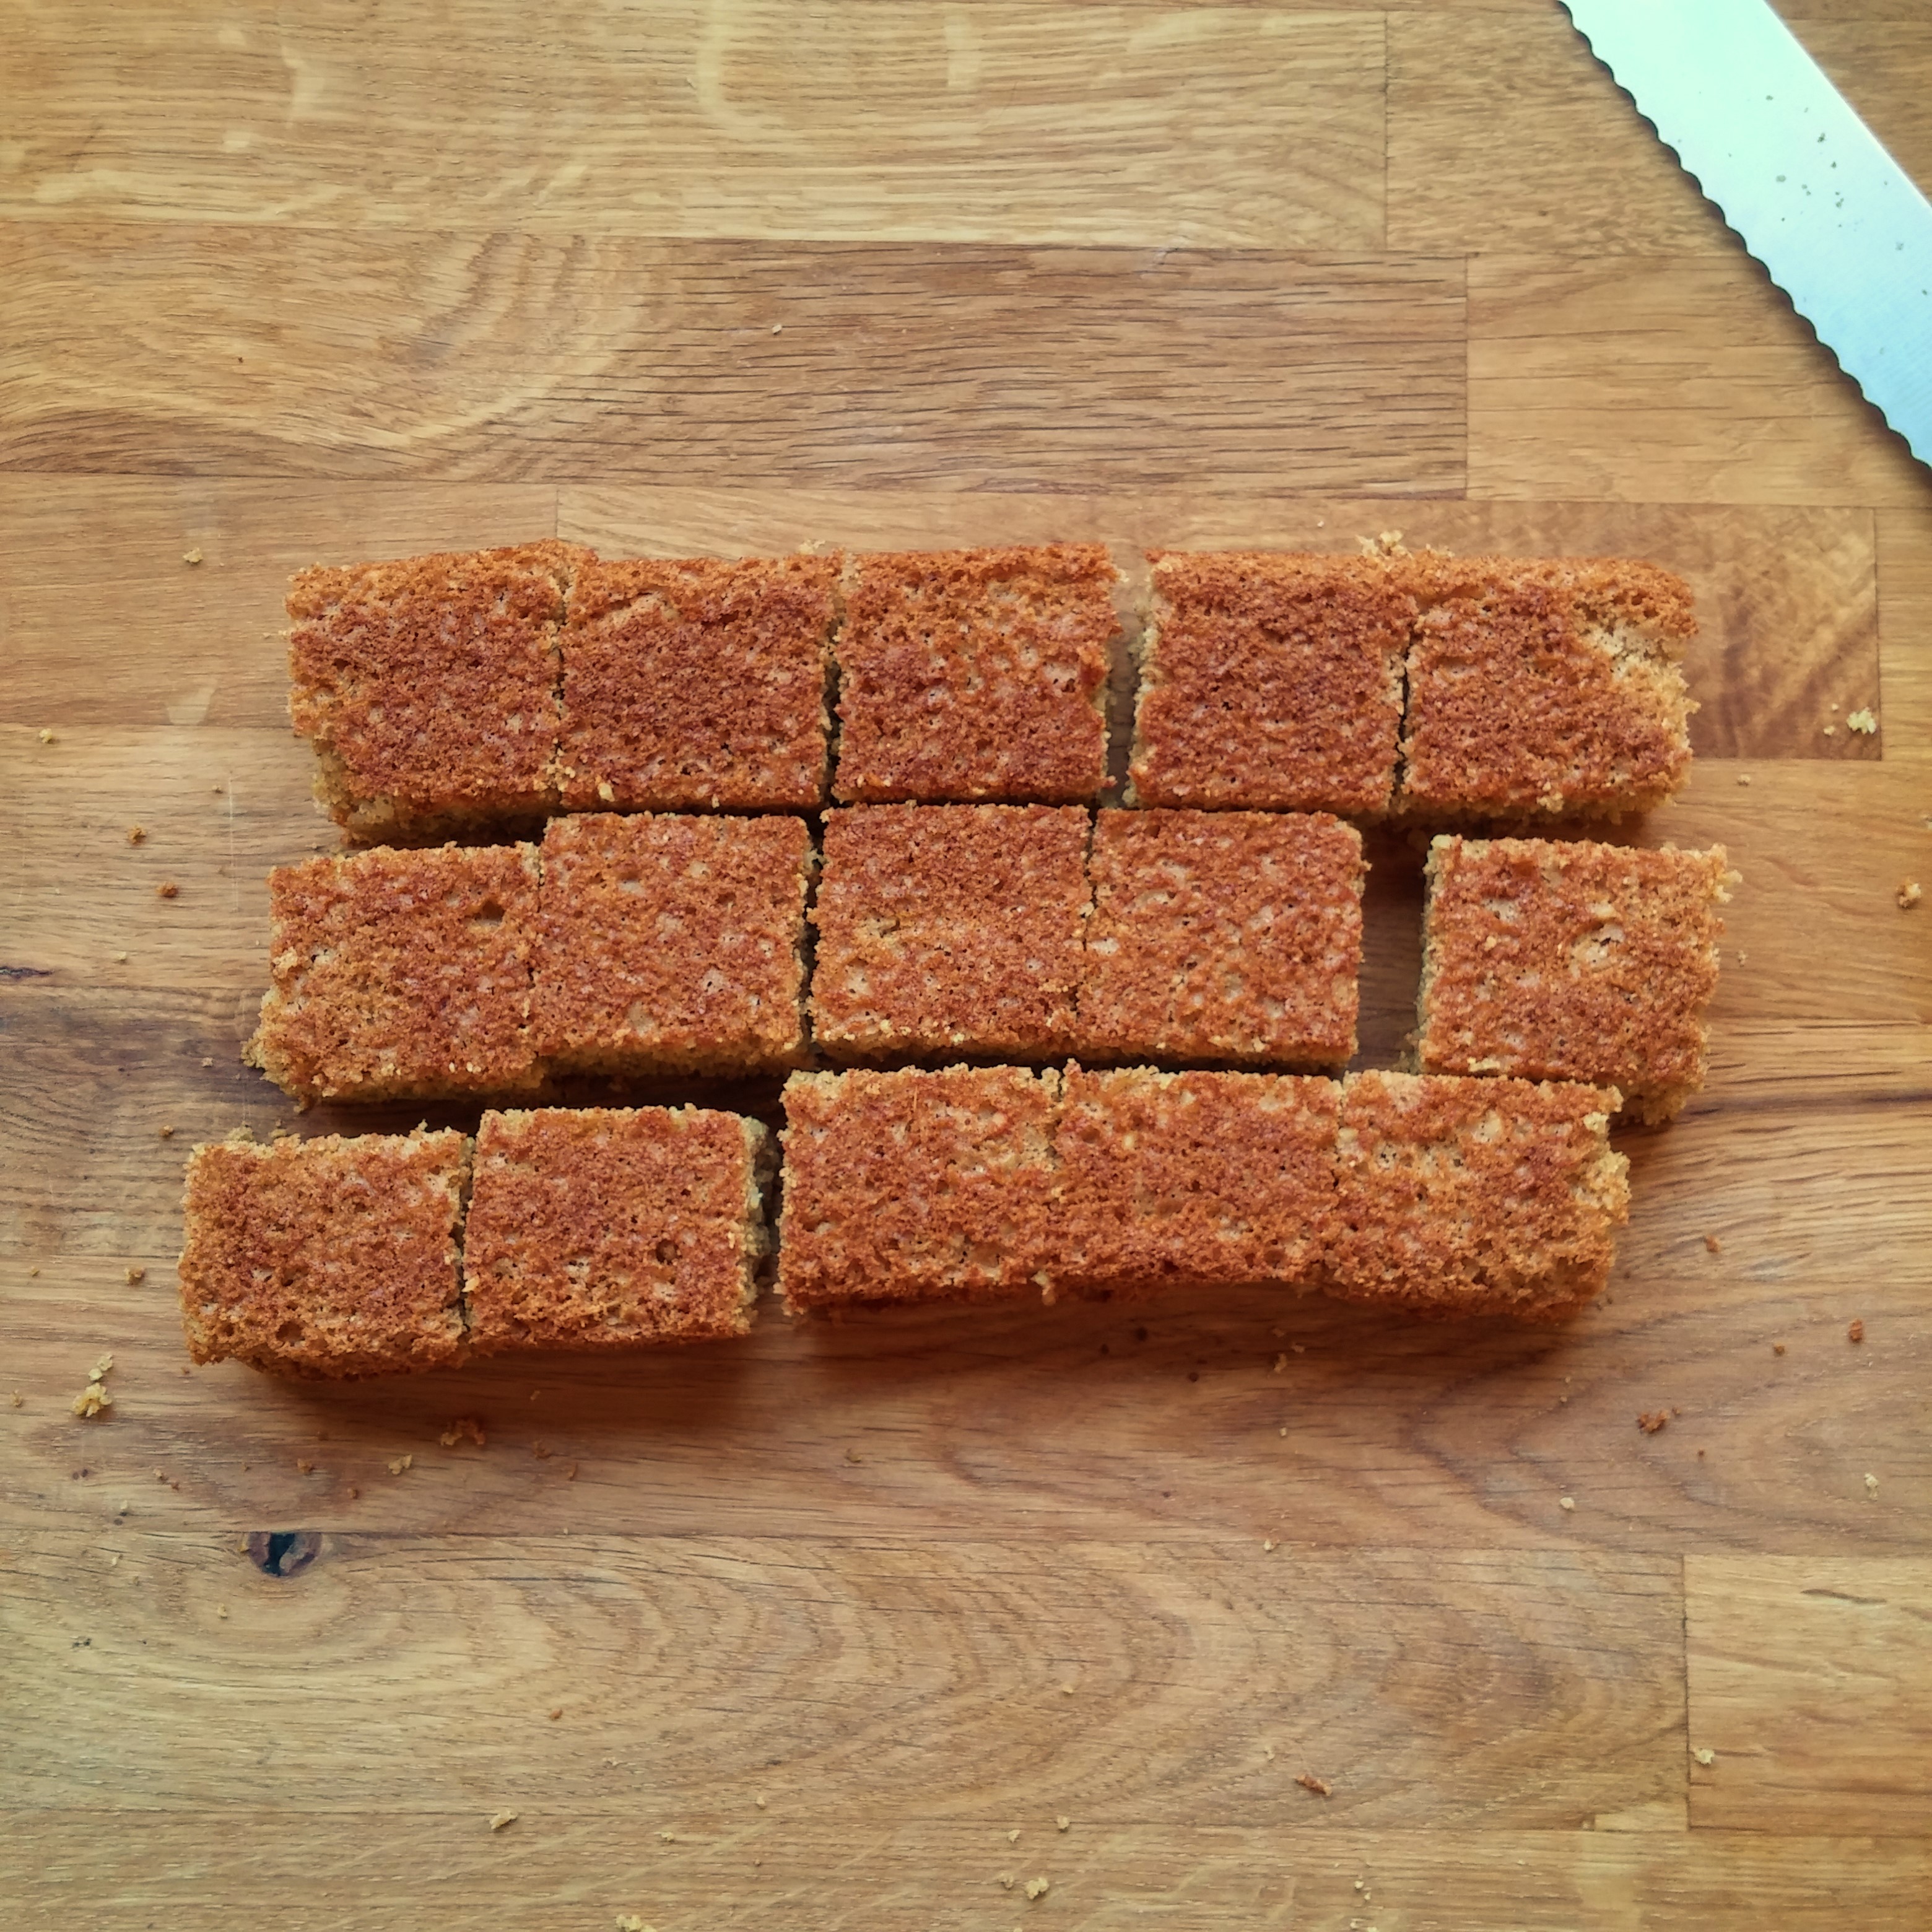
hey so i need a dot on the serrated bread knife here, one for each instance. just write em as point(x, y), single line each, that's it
point(1800, 177)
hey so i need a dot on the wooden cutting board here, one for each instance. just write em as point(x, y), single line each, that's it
point(875, 1625)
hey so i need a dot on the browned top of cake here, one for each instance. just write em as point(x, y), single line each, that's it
point(1177, 1180)
point(976, 674)
point(1272, 680)
point(913, 1185)
point(674, 941)
point(1546, 685)
point(328, 1257)
point(430, 684)
point(695, 683)
point(1570, 961)
point(1223, 935)
point(948, 927)
point(1467, 1197)
point(604, 1228)
point(399, 973)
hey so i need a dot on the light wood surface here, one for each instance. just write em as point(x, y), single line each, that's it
point(333, 282)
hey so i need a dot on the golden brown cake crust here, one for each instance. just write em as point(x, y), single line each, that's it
point(330, 1257)
point(1544, 686)
point(976, 674)
point(1193, 1180)
point(1572, 961)
point(917, 1186)
point(1223, 936)
point(429, 686)
point(612, 1229)
point(401, 975)
point(697, 683)
point(668, 944)
point(1472, 1197)
point(945, 929)
point(1272, 680)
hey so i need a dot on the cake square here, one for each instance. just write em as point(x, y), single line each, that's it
point(401, 975)
point(1223, 936)
point(1572, 962)
point(333, 1257)
point(1475, 1197)
point(1272, 681)
point(1545, 687)
point(697, 683)
point(917, 1186)
point(613, 1228)
point(671, 945)
point(1192, 1180)
point(975, 674)
point(949, 929)
point(428, 687)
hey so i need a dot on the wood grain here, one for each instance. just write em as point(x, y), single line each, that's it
point(1148, 126)
point(1807, 1680)
point(1905, 633)
point(513, 357)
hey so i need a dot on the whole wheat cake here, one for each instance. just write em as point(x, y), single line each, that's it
point(691, 683)
point(1223, 936)
point(1192, 1180)
point(917, 1185)
point(1568, 960)
point(1271, 680)
point(428, 687)
point(401, 975)
point(1543, 688)
point(671, 944)
point(976, 674)
point(333, 1257)
point(1474, 1196)
point(596, 1229)
point(949, 930)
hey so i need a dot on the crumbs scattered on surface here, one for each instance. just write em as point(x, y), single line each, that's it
point(498, 1819)
point(135, 833)
point(137, 1274)
point(1652, 1420)
point(1566, 1502)
point(399, 1464)
point(1711, 1242)
point(191, 556)
point(1037, 1888)
point(464, 1427)
point(1863, 722)
point(1705, 1755)
point(1871, 1484)
point(1908, 894)
point(1320, 1786)
point(94, 1399)
point(1856, 1333)
point(167, 890)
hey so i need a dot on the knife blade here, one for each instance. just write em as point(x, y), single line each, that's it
point(1803, 180)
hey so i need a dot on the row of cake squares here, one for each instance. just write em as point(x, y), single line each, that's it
point(446, 693)
point(655, 945)
point(615, 1228)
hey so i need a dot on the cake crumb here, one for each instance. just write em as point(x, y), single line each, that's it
point(1566, 1502)
point(1862, 722)
point(136, 1275)
point(167, 1130)
point(629, 1921)
point(1653, 1419)
point(19, 1400)
point(355, 1494)
point(570, 1474)
point(1036, 1888)
point(778, 327)
point(1830, 730)
point(760, 1801)
point(1267, 1543)
point(94, 1399)
point(1280, 1363)
point(1871, 1484)
point(1711, 1242)
point(1320, 1786)
point(1856, 1333)
point(667, 1837)
point(1012, 1838)
point(556, 1714)
point(1778, 1348)
point(1908, 894)
point(1064, 1824)
point(221, 1611)
point(167, 890)
point(542, 1451)
point(47, 737)
point(463, 1426)
point(400, 1464)
point(1743, 777)
point(307, 1467)
point(1066, 1689)
point(135, 833)
point(191, 556)
point(1704, 1755)
point(498, 1819)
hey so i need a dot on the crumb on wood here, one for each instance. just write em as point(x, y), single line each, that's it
point(759, 1801)
point(191, 556)
point(498, 1819)
point(1778, 1348)
point(668, 1837)
point(136, 1275)
point(1012, 1838)
point(1652, 1420)
point(355, 1494)
point(221, 1611)
point(167, 890)
point(306, 1467)
point(1566, 1502)
point(464, 1427)
point(1066, 1689)
point(19, 1401)
point(47, 737)
point(1037, 1888)
point(1856, 1333)
point(1320, 1786)
point(556, 1714)
point(167, 1130)
point(542, 1451)
point(1908, 894)
point(1871, 1484)
point(398, 1464)
point(1864, 722)
point(1385, 543)
point(1063, 1824)
point(570, 1474)
point(135, 833)
point(629, 1921)
point(1743, 777)
point(1705, 1755)
point(208, 1062)
point(1713, 1244)
point(95, 1400)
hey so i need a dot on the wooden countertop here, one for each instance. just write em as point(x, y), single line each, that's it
point(849, 1627)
